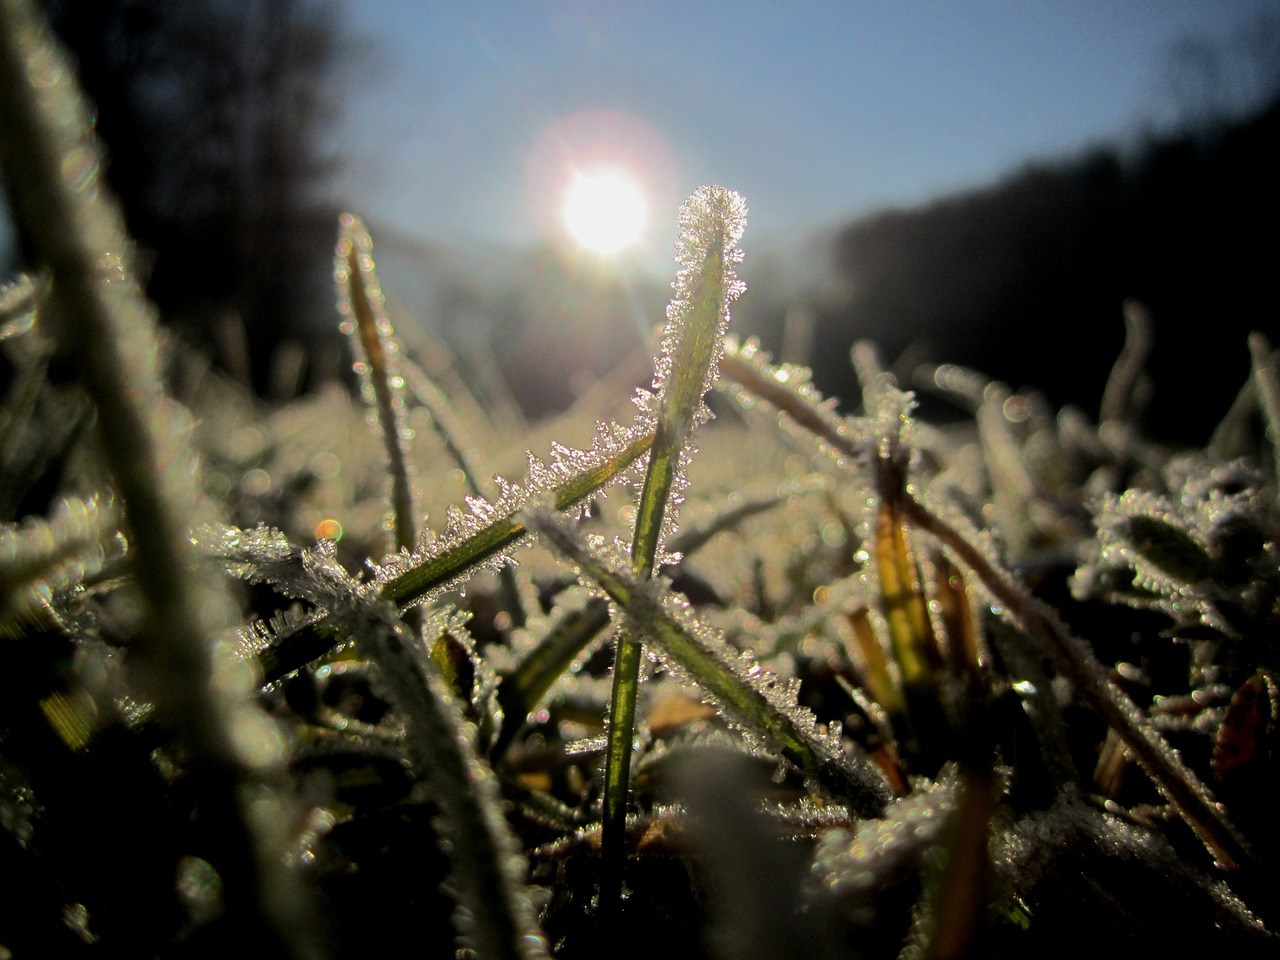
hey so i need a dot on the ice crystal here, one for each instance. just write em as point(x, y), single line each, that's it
point(854, 866)
point(712, 222)
point(40, 557)
point(258, 636)
point(259, 555)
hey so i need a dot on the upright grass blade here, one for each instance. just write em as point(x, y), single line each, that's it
point(100, 319)
point(1120, 401)
point(364, 318)
point(711, 224)
point(901, 595)
point(904, 605)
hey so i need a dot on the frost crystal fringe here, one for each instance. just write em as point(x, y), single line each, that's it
point(483, 536)
point(40, 557)
point(711, 224)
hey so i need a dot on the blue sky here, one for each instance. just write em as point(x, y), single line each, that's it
point(815, 111)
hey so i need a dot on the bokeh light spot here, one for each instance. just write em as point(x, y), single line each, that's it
point(328, 529)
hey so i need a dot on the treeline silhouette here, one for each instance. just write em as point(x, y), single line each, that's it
point(1025, 280)
point(213, 116)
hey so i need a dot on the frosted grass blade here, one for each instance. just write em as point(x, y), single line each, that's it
point(1072, 656)
point(39, 557)
point(466, 552)
point(1118, 397)
point(364, 319)
point(711, 224)
point(788, 389)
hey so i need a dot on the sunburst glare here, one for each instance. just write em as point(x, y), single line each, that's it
point(593, 179)
point(604, 210)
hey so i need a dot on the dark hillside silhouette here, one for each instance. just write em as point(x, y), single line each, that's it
point(1025, 280)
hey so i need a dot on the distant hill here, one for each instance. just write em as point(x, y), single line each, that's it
point(1025, 279)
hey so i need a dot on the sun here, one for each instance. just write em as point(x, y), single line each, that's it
point(604, 210)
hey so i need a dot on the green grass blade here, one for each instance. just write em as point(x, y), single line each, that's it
point(523, 688)
point(711, 223)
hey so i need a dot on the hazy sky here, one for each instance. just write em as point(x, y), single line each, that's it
point(458, 113)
